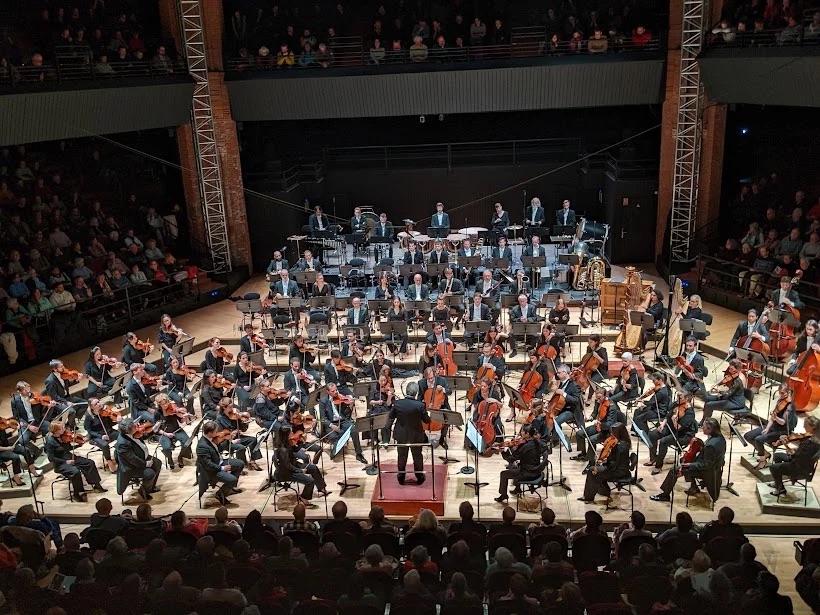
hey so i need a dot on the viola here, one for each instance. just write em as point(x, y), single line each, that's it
point(173, 410)
point(305, 377)
point(259, 340)
point(144, 428)
point(680, 361)
point(296, 438)
point(609, 445)
point(603, 408)
point(305, 420)
point(224, 435)
point(434, 400)
point(40, 399)
point(149, 380)
point(677, 413)
point(655, 388)
point(184, 370)
point(255, 369)
point(70, 436)
point(691, 453)
point(112, 361)
point(345, 367)
point(805, 381)
point(277, 394)
point(9, 423)
point(111, 412)
point(488, 410)
point(145, 346)
point(223, 353)
point(340, 399)
point(515, 442)
point(727, 379)
point(235, 415)
point(223, 383)
point(71, 374)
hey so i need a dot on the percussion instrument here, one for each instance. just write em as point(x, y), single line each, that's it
point(425, 241)
point(472, 230)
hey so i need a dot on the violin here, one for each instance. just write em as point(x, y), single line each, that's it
point(224, 435)
point(794, 437)
point(305, 420)
point(344, 367)
point(255, 369)
point(71, 374)
point(655, 388)
point(149, 380)
point(223, 383)
point(603, 408)
point(144, 428)
point(691, 453)
point(609, 445)
point(515, 442)
point(69, 436)
point(259, 340)
point(173, 410)
point(112, 361)
point(730, 375)
point(223, 353)
point(146, 346)
point(677, 413)
point(340, 399)
point(9, 423)
point(680, 361)
point(111, 412)
point(40, 399)
point(235, 415)
point(277, 394)
point(296, 438)
point(184, 370)
point(305, 377)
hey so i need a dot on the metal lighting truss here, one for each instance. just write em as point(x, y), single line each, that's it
point(205, 146)
point(688, 132)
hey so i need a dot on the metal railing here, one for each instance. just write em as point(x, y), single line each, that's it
point(804, 34)
point(353, 55)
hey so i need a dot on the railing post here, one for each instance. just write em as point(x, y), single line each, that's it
point(128, 303)
point(386, 167)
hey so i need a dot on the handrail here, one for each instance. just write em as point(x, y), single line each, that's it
point(767, 37)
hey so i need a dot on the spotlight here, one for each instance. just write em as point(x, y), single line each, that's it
point(744, 131)
point(422, 119)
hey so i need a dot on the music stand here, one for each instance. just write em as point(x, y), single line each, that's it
point(555, 296)
point(313, 398)
point(642, 319)
point(474, 438)
point(470, 261)
point(290, 304)
point(691, 326)
point(119, 383)
point(183, 349)
point(732, 433)
point(379, 305)
point(562, 480)
point(642, 437)
point(453, 300)
point(534, 263)
point(257, 357)
point(430, 324)
point(379, 243)
point(393, 328)
point(563, 229)
point(339, 447)
point(363, 388)
point(509, 300)
point(409, 270)
point(436, 270)
point(372, 423)
point(525, 329)
point(465, 359)
point(249, 308)
point(380, 269)
point(344, 303)
point(477, 328)
point(328, 302)
point(305, 278)
point(497, 263)
point(447, 418)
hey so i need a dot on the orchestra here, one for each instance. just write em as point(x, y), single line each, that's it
point(241, 401)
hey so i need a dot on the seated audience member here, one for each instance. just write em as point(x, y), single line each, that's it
point(593, 523)
point(378, 523)
point(181, 523)
point(358, 596)
point(684, 526)
point(413, 594)
point(724, 526)
point(547, 525)
point(287, 556)
point(551, 561)
point(503, 560)
point(459, 559)
point(420, 560)
point(374, 558)
point(635, 527)
point(103, 518)
point(300, 523)
point(223, 524)
point(744, 572)
point(340, 524)
point(428, 523)
point(467, 525)
point(507, 525)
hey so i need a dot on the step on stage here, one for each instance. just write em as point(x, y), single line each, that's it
point(409, 498)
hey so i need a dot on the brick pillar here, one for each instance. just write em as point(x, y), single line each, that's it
point(225, 133)
point(714, 128)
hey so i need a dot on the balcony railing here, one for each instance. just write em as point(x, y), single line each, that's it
point(804, 34)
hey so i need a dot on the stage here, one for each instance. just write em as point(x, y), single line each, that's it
point(223, 320)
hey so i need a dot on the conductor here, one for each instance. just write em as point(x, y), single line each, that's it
point(408, 414)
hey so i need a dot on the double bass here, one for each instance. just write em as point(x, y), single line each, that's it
point(754, 371)
point(782, 335)
point(805, 381)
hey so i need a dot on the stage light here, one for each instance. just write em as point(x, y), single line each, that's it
point(744, 131)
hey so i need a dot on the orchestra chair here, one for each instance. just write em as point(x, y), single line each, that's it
point(389, 543)
point(431, 542)
point(60, 478)
point(251, 306)
point(590, 552)
point(138, 537)
point(599, 587)
point(280, 486)
point(628, 547)
point(714, 492)
point(658, 333)
point(803, 480)
point(538, 542)
point(516, 543)
point(221, 537)
point(306, 542)
point(181, 540)
point(625, 483)
point(533, 485)
point(707, 320)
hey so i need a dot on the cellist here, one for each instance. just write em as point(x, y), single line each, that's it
point(752, 328)
point(486, 392)
point(603, 417)
point(786, 295)
point(596, 350)
point(807, 339)
point(433, 381)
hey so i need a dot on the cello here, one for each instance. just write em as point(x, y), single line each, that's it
point(530, 382)
point(434, 400)
point(754, 371)
point(445, 354)
point(691, 453)
point(581, 374)
point(805, 381)
point(782, 335)
point(488, 411)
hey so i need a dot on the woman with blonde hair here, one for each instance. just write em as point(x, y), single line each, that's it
point(428, 522)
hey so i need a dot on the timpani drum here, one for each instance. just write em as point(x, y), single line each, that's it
point(453, 241)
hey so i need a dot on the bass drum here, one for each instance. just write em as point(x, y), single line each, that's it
point(593, 230)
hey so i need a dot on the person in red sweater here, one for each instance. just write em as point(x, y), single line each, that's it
point(181, 523)
point(641, 36)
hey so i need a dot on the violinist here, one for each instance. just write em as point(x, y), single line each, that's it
point(798, 464)
point(58, 388)
point(267, 407)
point(13, 452)
point(337, 417)
point(339, 373)
point(132, 354)
point(352, 347)
point(431, 380)
point(72, 466)
point(596, 348)
point(678, 427)
point(168, 336)
point(211, 467)
point(540, 427)
point(706, 466)
point(297, 382)
point(216, 356)
point(786, 295)
point(210, 395)
point(359, 317)
point(243, 377)
point(290, 468)
point(136, 462)
point(691, 379)
point(654, 404)
point(139, 394)
point(379, 365)
point(573, 409)
point(101, 431)
point(751, 328)
point(527, 460)
point(34, 418)
point(176, 377)
point(605, 414)
point(98, 371)
point(628, 386)
point(385, 291)
point(782, 421)
point(805, 341)
point(381, 401)
point(229, 418)
point(170, 428)
point(612, 464)
point(476, 311)
point(733, 400)
point(299, 349)
point(252, 342)
point(524, 312)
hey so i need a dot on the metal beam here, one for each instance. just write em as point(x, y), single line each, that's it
point(205, 146)
point(688, 133)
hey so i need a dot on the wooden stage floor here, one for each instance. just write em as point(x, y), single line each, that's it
point(222, 319)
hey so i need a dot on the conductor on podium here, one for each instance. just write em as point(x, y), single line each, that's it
point(409, 414)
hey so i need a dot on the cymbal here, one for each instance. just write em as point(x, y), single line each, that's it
point(408, 221)
point(297, 237)
point(514, 227)
point(471, 230)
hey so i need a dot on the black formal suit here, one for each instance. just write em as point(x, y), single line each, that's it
point(616, 468)
point(385, 232)
point(415, 257)
point(267, 412)
point(210, 468)
point(456, 287)
point(275, 266)
point(535, 215)
point(535, 251)
point(246, 345)
point(792, 295)
point(595, 436)
point(414, 293)
point(499, 223)
point(60, 392)
point(132, 463)
point(662, 440)
point(489, 288)
point(497, 363)
point(209, 400)
point(341, 378)
point(288, 468)
point(341, 416)
point(16, 451)
point(363, 319)
point(507, 253)
point(529, 456)
point(97, 428)
point(407, 415)
point(358, 224)
point(565, 218)
point(482, 314)
point(71, 466)
point(621, 393)
point(313, 222)
point(40, 417)
point(655, 409)
point(516, 314)
point(298, 388)
point(289, 290)
point(708, 466)
point(440, 220)
point(692, 385)
point(572, 408)
point(242, 443)
point(139, 400)
point(303, 265)
point(797, 464)
point(743, 329)
point(438, 257)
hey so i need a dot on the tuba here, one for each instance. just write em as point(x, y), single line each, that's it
point(590, 276)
